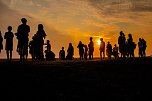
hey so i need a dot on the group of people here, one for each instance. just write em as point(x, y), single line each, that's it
point(125, 46)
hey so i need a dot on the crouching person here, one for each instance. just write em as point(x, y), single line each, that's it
point(48, 53)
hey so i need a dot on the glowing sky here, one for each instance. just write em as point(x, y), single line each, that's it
point(74, 20)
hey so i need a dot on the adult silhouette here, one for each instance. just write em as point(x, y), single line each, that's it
point(144, 47)
point(109, 50)
point(91, 48)
point(62, 54)
point(22, 36)
point(131, 46)
point(81, 50)
point(40, 36)
point(9, 43)
point(102, 49)
point(1, 42)
point(122, 44)
point(70, 52)
point(140, 47)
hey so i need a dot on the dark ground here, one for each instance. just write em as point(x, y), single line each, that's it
point(109, 80)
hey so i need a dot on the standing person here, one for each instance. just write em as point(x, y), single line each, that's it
point(81, 50)
point(115, 51)
point(130, 45)
point(140, 47)
point(70, 52)
point(102, 49)
point(40, 36)
point(85, 52)
point(122, 44)
point(22, 36)
point(9, 43)
point(62, 54)
point(91, 48)
point(109, 50)
point(1, 42)
point(144, 47)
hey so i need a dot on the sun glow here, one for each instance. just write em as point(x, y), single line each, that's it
point(98, 42)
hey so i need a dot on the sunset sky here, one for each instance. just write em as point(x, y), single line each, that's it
point(74, 20)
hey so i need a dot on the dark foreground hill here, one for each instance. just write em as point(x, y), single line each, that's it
point(108, 80)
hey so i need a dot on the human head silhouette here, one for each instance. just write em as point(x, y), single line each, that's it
point(23, 20)
point(40, 26)
point(9, 28)
point(91, 38)
point(48, 41)
point(101, 39)
point(121, 33)
point(62, 48)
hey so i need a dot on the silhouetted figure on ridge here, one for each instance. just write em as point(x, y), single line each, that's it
point(109, 50)
point(91, 48)
point(62, 54)
point(22, 36)
point(9, 43)
point(115, 51)
point(122, 44)
point(130, 46)
point(70, 52)
point(85, 52)
point(1, 42)
point(102, 49)
point(144, 47)
point(48, 53)
point(81, 50)
point(40, 36)
point(140, 47)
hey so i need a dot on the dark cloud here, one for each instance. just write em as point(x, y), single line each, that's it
point(118, 8)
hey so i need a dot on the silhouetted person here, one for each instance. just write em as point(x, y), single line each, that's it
point(109, 50)
point(1, 42)
point(40, 36)
point(62, 54)
point(102, 49)
point(144, 47)
point(115, 51)
point(122, 44)
point(85, 52)
point(22, 36)
point(9, 43)
point(48, 53)
point(140, 47)
point(131, 46)
point(91, 48)
point(81, 50)
point(70, 52)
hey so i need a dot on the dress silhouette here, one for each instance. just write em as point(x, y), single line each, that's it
point(81, 50)
point(22, 36)
point(91, 48)
point(102, 49)
point(70, 52)
point(1, 42)
point(9, 43)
